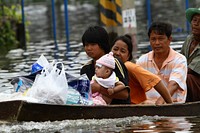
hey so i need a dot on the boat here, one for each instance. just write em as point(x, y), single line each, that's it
point(20, 110)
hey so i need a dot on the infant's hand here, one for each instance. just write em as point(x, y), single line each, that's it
point(110, 91)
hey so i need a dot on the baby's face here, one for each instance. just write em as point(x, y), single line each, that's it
point(102, 71)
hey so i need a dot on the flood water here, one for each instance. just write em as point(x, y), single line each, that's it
point(18, 62)
point(123, 125)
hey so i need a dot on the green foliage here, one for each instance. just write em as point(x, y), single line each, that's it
point(9, 18)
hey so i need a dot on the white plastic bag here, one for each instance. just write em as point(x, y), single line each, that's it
point(50, 86)
point(39, 64)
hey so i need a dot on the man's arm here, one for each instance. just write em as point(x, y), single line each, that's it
point(172, 87)
point(160, 88)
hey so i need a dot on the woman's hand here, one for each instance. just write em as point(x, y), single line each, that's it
point(111, 91)
point(95, 87)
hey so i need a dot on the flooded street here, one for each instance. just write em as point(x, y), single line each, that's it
point(18, 62)
point(122, 125)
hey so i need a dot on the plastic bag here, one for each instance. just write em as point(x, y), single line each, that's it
point(73, 96)
point(39, 64)
point(50, 86)
point(21, 84)
point(82, 85)
point(16, 96)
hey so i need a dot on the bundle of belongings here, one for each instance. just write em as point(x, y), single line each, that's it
point(49, 83)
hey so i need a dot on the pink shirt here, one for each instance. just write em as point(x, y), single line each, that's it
point(173, 68)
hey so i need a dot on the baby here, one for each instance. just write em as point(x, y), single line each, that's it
point(106, 77)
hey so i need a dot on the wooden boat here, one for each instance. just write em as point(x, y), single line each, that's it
point(24, 111)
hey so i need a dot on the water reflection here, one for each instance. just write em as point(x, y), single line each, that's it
point(123, 125)
point(80, 16)
point(165, 124)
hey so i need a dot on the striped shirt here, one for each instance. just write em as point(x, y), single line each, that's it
point(173, 68)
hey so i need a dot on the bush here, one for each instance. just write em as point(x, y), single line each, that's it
point(10, 18)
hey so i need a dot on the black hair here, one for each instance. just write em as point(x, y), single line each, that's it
point(97, 34)
point(128, 40)
point(161, 28)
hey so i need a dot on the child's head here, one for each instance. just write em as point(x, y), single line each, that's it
point(105, 66)
point(97, 35)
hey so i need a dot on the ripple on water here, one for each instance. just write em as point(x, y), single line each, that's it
point(92, 125)
point(123, 125)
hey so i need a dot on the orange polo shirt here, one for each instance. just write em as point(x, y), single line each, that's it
point(140, 81)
